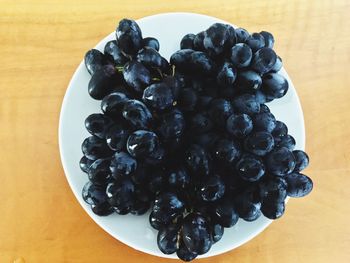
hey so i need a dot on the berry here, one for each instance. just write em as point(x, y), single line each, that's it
point(241, 35)
point(142, 143)
point(264, 122)
point(102, 82)
point(167, 239)
point(212, 189)
point(158, 96)
point(97, 124)
point(219, 111)
point(239, 125)
point(259, 143)
point(255, 41)
point(137, 114)
point(95, 60)
point(94, 148)
point(301, 160)
point(113, 51)
point(250, 168)
point(122, 164)
point(99, 172)
point(274, 85)
point(299, 185)
point(247, 104)
point(241, 55)
point(196, 234)
point(172, 124)
point(280, 161)
point(129, 37)
point(113, 103)
point(248, 80)
point(227, 75)
point(264, 59)
point(269, 39)
point(150, 42)
point(187, 41)
point(149, 57)
point(136, 75)
point(116, 137)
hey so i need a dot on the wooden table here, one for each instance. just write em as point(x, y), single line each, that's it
point(41, 44)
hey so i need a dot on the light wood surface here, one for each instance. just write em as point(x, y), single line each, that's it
point(41, 44)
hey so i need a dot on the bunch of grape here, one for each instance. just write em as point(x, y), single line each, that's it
point(191, 140)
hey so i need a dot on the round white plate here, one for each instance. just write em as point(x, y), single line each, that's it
point(135, 231)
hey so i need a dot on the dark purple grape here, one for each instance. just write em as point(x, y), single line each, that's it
point(99, 172)
point(167, 207)
point(269, 39)
point(226, 76)
point(259, 143)
point(272, 209)
point(217, 232)
point(225, 214)
point(280, 161)
point(137, 114)
point(219, 111)
point(172, 124)
point(247, 104)
point(85, 163)
point(287, 141)
point(139, 208)
point(94, 148)
point(273, 189)
point(211, 189)
point(129, 37)
point(218, 38)
point(151, 42)
point(198, 41)
point(277, 66)
point(196, 234)
point(279, 131)
point(301, 160)
point(122, 164)
point(241, 55)
point(226, 152)
point(95, 60)
point(255, 41)
point(274, 85)
point(167, 239)
point(120, 195)
point(178, 178)
point(116, 137)
point(97, 198)
point(248, 81)
point(187, 41)
point(241, 35)
point(149, 57)
point(113, 51)
point(159, 96)
point(247, 205)
point(98, 124)
point(197, 160)
point(264, 122)
point(250, 168)
point(263, 60)
point(136, 75)
point(113, 104)
point(184, 254)
point(142, 143)
point(298, 185)
point(102, 82)
point(239, 125)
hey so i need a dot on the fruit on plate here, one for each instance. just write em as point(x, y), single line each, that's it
point(191, 140)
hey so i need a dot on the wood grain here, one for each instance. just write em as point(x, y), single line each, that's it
point(41, 44)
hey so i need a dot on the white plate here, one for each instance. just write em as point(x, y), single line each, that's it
point(135, 231)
